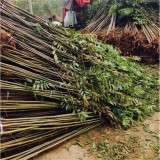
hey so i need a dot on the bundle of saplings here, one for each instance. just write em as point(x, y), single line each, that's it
point(131, 43)
point(130, 15)
point(32, 119)
point(31, 124)
point(131, 26)
point(65, 72)
point(86, 74)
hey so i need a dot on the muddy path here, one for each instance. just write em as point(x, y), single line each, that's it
point(85, 146)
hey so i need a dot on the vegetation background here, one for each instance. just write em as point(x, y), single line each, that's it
point(42, 8)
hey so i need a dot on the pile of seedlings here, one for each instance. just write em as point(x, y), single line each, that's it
point(131, 44)
point(131, 26)
point(58, 83)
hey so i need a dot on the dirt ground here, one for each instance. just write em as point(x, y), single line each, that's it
point(84, 147)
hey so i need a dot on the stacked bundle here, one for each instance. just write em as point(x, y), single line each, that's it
point(31, 127)
point(49, 69)
point(32, 86)
point(131, 26)
point(130, 15)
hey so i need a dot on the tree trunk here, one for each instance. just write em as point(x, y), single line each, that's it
point(30, 6)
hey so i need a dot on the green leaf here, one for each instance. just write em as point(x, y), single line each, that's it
point(38, 86)
point(42, 85)
point(56, 58)
point(125, 12)
point(45, 85)
point(114, 8)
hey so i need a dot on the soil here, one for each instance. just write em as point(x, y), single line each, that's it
point(79, 148)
